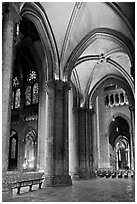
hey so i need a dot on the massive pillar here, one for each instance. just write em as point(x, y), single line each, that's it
point(73, 142)
point(56, 138)
point(10, 17)
point(85, 141)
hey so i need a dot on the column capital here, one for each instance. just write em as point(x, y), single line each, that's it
point(67, 86)
point(49, 85)
point(11, 11)
point(57, 85)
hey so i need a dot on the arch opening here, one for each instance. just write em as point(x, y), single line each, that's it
point(120, 144)
point(26, 93)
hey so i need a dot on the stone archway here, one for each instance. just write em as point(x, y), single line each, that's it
point(100, 129)
point(120, 144)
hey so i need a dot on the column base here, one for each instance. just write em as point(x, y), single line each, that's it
point(74, 176)
point(83, 174)
point(57, 180)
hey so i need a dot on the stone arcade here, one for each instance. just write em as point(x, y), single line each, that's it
point(67, 91)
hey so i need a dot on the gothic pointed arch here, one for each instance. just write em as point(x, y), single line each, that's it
point(35, 13)
point(108, 80)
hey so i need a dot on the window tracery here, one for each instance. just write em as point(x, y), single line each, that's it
point(32, 90)
point(32, 76)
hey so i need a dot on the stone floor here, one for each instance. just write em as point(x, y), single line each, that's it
point(94, 190)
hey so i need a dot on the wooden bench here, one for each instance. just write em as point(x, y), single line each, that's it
point(114, 175)
point(24, 183)
point(108, 174)
point(120, 175)
point(126, 175)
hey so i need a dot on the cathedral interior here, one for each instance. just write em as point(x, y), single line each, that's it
point(68, 92)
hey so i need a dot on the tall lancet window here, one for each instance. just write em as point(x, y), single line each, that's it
point(28, 95)
point(32, 89)
point(17, 99)
point(35, 93)
point(30, 150)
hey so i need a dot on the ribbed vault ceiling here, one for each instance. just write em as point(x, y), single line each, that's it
point(71, 22)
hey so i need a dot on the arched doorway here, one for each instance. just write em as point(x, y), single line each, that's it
point(120, 144)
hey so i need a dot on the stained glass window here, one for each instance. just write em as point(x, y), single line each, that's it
point(28, 95)
point(29, 150)
point(35, 93)
point(13, 148)
point(17, 99)
point(15, 103)
point(32, 76)
point(15, 82)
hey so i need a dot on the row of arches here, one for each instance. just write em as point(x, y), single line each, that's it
point(29, 89)
point(116, 99)
point(52, 110)
point(126, 45)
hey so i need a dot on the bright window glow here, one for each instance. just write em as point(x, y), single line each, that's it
point(29, 160)
point(28, 95)
point(17, 99)
point(13, 148)
point(15, 82)
point(32, 76)
point(35, 93)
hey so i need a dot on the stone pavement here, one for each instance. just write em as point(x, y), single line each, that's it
point(94, 190)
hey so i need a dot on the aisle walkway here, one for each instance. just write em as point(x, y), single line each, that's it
point(101, 190)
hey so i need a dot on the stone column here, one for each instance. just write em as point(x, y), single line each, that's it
point(73, 141)
point(65, 97)
point(94, 141)
point(56, 139)
point(10, 17)
point(91, 141)
point(84, 143)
